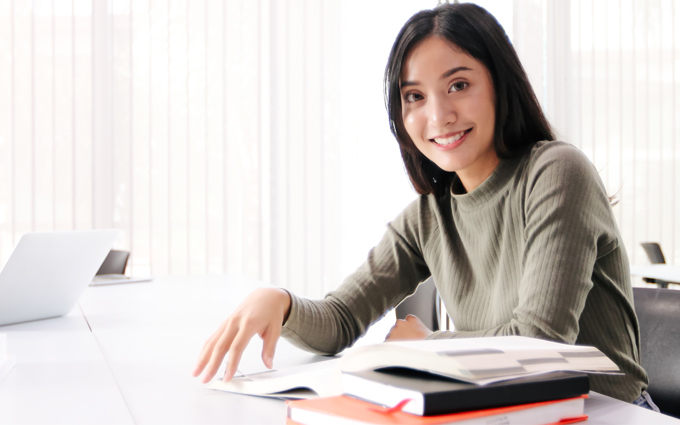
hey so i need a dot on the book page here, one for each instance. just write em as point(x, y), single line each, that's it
point(480, 360)
point(323, 378)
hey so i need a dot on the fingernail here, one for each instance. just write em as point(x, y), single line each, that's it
point(269, 362)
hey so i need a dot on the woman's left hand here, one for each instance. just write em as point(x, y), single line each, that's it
point(408, 329)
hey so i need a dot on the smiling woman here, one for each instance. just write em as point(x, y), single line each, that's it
point(515, 228)
point(448, 109)
point(483, 77)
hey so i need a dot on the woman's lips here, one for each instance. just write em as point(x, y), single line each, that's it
point(452, 141)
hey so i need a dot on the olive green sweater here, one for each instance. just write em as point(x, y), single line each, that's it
point(533, 251)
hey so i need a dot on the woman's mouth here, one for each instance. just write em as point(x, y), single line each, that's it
point(452, 140)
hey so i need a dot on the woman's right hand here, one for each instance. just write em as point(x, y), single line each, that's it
point(263, 312)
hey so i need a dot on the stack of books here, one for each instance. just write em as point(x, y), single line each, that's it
point(430, 399)
point(499, 380)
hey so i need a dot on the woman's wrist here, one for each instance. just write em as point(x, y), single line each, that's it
point(286, 302)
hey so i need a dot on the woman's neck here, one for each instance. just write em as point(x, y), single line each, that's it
point(472, 177)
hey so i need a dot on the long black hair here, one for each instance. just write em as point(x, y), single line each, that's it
point(520, 121)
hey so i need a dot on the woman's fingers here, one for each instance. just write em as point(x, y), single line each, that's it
point(410, 328)
point(394, 329)
point(220, 350)
point(207, 349)
point(269, 339)
point(261, 313)
point(235, 352)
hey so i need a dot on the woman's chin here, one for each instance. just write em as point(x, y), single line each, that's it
point(448, 166)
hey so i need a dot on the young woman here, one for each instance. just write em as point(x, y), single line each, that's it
point(515, 228)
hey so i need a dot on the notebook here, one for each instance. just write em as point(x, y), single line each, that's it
point(343, 410)
point(48, 272)
point(431, 394)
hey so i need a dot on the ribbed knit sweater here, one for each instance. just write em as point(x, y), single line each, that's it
point(533, 251)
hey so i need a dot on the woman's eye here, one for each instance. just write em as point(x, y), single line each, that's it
point(413, 97)
point(458, 86)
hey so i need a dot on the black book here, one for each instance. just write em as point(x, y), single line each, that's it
point(437, 395)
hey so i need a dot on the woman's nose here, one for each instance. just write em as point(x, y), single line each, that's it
point(441, 111)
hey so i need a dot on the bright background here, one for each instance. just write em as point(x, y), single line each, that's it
point(250, 136)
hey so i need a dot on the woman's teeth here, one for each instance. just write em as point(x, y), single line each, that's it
point(449, 140)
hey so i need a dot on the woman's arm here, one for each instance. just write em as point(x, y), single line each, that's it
point(392, 271)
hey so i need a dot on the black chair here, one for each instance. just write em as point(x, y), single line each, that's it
point(655, 255)
point(423, 303)
point(114, 263)
point(658, 311)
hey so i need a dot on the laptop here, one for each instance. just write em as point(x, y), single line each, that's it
point(48, 272)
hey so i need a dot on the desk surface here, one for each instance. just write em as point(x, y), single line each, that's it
point(125, 357)
point(657, 271)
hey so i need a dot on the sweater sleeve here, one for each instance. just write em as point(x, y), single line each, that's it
point(568, 225)
point(392, 271)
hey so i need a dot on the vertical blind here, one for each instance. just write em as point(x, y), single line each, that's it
point(217, 136)
point(621, 87)
point(605, 72)
point(250, 136)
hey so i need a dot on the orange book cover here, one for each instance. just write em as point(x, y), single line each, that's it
point(342, 408)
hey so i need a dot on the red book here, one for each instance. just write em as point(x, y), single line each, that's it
point(347, 410)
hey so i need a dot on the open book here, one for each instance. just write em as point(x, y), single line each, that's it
point(297, 382)
point(478, 361)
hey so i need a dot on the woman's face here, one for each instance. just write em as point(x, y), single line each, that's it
point(448, 108)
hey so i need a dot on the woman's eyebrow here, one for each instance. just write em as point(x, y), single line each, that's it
point(447, 74)
point(452, 71)
point(408, 83)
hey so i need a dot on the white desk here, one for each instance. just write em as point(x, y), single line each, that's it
point(60, 377)
point(657, 271)
point(135, 365)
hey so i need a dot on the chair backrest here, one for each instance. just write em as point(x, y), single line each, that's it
point(423, 303)
point(658, 311)
point(654, 253)
point(114, 263)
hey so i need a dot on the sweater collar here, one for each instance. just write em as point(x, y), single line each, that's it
point(489, 189)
